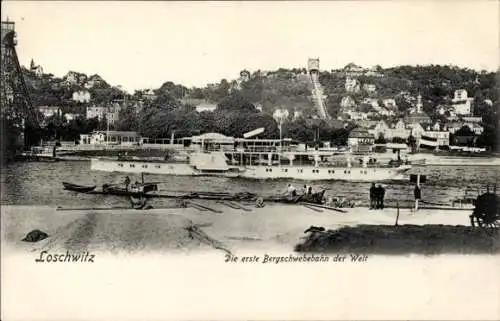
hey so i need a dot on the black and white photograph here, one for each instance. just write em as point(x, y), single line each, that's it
point(250, 160)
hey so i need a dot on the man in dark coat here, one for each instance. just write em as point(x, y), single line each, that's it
point(381, 197)
point(373, 198)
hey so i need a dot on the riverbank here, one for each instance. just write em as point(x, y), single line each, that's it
point(189, 229)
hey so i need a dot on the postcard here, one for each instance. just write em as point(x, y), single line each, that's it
point(250, 160)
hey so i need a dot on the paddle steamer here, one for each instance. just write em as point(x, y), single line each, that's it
point(213, 154)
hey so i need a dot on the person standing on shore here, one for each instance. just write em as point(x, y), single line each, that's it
point(418, 195)
point(381, 197)
point(127, 183)
point(373, 198)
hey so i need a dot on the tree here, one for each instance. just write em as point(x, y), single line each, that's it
point(236, 102)
point(464, 131)
point(127, 119)
point(380, 139)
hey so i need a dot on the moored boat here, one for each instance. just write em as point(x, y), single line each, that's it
point(261, 159)
point(78, 188)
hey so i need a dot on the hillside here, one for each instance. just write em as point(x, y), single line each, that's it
point(167, 109)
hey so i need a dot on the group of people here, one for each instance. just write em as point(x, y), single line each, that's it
point(292, 191)
point(377, 194)
point(135, 187)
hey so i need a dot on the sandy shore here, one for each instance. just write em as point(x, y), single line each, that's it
point(274, 226)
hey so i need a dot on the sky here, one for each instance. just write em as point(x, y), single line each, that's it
point(144, 44)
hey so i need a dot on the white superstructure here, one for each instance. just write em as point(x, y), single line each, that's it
point(261, 159)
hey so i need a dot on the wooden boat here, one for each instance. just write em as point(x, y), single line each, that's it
point(78, 188)
point(315, 198)
point(142, 189)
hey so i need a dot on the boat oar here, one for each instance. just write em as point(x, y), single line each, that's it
point(234, 205)
point(312, 208)
point(204, 207)
point(240, 206)
point(326, 207)
point(92, 208)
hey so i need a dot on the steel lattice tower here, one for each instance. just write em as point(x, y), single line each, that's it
point(16, 107)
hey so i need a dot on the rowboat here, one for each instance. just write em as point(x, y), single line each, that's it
point(316, 198)
point(132, 191)
point(78, 188)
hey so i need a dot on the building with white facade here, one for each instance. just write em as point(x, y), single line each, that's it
point(113, 113)
point(371, 88)
point(71, 116)
point(95, 111)
point(205, 107)
point(82, 96)
point(347, 102)
point(281, 114)
point(461, 103)
point(351, 85)
point(390, 103)
point(49, 111)
point(357, 115)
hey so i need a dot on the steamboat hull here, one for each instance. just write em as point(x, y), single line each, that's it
point(309, 173)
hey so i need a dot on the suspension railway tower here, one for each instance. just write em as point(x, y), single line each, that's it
point(20, 120)
point(317, 91)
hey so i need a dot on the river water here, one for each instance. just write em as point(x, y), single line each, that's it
point(34, 183)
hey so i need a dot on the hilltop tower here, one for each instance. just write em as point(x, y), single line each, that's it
point(313, 65)
point(17, 111)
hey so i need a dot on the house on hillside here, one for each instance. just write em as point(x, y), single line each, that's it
point(357, 115)
point(281, 114)
point(36, 69)
point(352, 85)
point(368, 124)
point(49, 111)
point(149, 95)
point(74, 78)
point(206, 107)
point(93, 81)
point(113, 113)
point(352, 68)
point(370, 88)
point(71, 116)
point(297, 114)
point(390, 104)
point(461, 103)
point(95, 111)
point(81, 96)
point(347, 102)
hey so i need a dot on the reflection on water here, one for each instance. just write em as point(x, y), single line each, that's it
point(40, 184)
